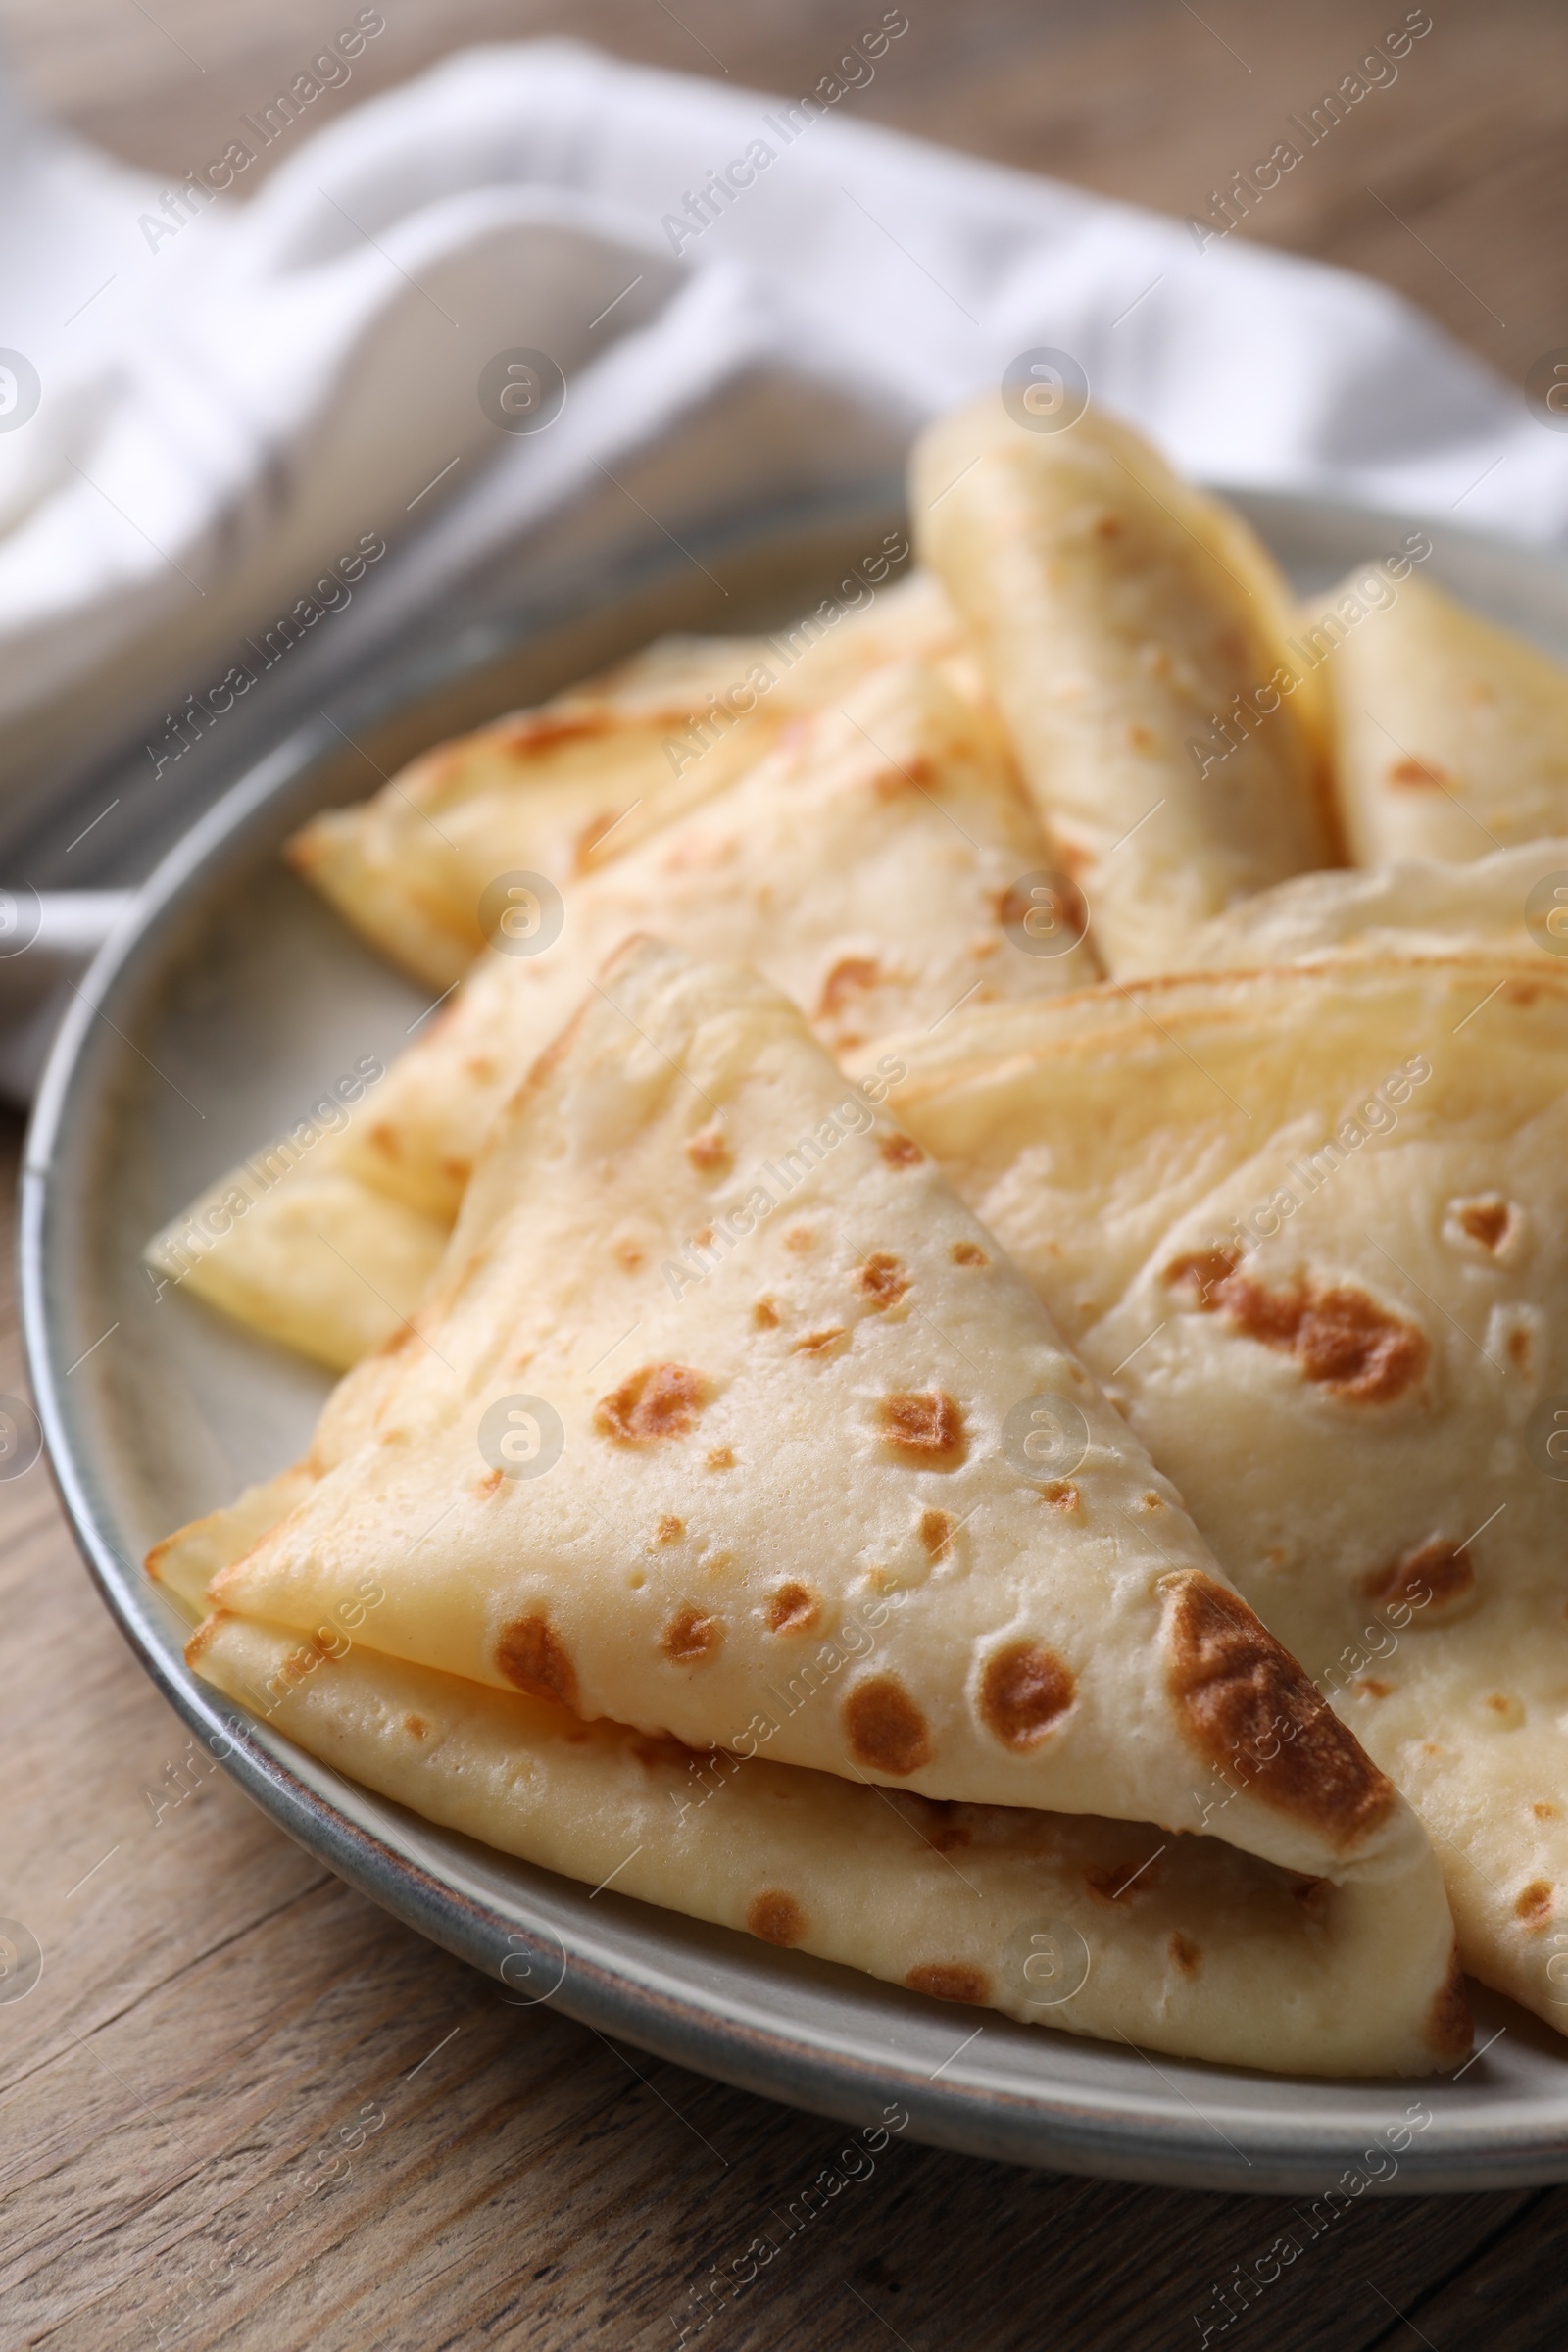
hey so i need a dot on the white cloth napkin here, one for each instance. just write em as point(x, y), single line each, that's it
point(232, 396)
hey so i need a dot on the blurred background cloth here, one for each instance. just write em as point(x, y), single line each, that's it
point(230, 395)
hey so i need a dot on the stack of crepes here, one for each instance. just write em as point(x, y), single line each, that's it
point(953, 1341)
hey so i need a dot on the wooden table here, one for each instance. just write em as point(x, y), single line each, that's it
point(242, 2108)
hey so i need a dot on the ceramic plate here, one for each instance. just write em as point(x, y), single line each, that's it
point(222, 1006)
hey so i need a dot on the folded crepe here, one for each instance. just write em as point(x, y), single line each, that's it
point(1102, 1928)
point(1506, 904)
point(1451, 734)
point(563, 789)
point(1311, 1226)
point(1117, 614)
point(728, 1422)
point(882, 866)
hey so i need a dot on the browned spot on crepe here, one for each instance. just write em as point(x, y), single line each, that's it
point(417, 1726)
point(881, 1281)
point(1200, 1272)
point(800, 1238)
point(589, 837)
point(532, 1654)
point(1025, 1690)
point(950, 1981)
point(792, 1609)
point(1419, 772)
point(659, 1401)
point(777, 1918)
point(925, 1430)
point(1535, 1903)
point(899, 1150)
point(936, 1533)
point(721, 1457)
point(654, 1748)
point(1337, 1334)
point(1543, 1811)
point(708, 1149)
point(764, 1314)
point(819, 1343)
point(1485, 1221)
point(1451, 2028)
point(690, 1637)
point(891, 781)
point(1124, 1881)
point(1238, 1692)
point(968, 1254)
point(1183, 1954)
point(884, 1726)
point(1372, 1687)
point(1437, 1576)
point(943, 1823)
point(488, 1484)
point(630, 1257)
point(669, 1529)
point(850, 976)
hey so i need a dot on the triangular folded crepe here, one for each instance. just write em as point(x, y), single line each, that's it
point(1504, 903)
point(1117, 615)
point(1312, 1226)
point(1101, 1927)
point(728, 1421)
point(1451, 734)
point(878, 865)
point(561, 788)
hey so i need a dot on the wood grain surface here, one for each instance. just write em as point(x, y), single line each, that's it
point(243, 2109)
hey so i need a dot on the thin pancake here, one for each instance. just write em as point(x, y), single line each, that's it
point(569, 787)
point(1311, 1225)
point(1450, 735)
point(1511, 902)
point(877, 866)
point(668, 1422)
point(1186, 1946)
point(1117, 614)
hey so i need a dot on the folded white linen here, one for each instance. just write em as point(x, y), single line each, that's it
point(232, 395)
